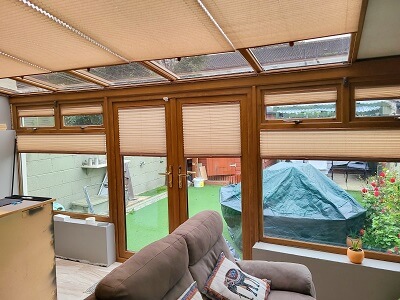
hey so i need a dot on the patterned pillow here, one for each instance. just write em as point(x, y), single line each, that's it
point(191, 293)
point(228, 282)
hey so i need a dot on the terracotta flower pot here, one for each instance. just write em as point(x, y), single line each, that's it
point(355, 257)
point(350, 240)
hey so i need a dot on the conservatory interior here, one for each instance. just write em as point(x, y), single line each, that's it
point(282, 116)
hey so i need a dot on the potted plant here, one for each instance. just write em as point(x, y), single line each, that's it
point(355, 236)
point(355, 253)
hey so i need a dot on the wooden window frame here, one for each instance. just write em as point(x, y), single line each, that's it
point(17, 118)
point(305, 122)
point(384, 121)
point(83, 127)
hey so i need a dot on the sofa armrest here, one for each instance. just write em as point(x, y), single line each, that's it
point(283, 275)
point(91, 297)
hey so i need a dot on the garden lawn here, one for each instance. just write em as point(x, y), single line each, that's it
point(151, 222)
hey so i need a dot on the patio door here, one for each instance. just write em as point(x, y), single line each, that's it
point(174, 159)
point(210, 159)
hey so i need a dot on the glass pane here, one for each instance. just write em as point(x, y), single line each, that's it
point(207, 65)
point(126, 74)
point(146, 200)
point(20, 87)
point(378, 108)
point(216, 186)
point(64, 81)
point(302, 111)
point(79, 183)
point(321, 51)
point(83, 120)
point(327, 201)
point(37, 121)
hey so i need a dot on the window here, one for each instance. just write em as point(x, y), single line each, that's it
point(300, 104)
point(32, 117)
point(324, 202)
point(82, 115)
point(377, 101)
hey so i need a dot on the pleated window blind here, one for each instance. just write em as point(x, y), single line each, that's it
point(211, 129)
point(142, 131)
point(36, 112)
point(73, 110)
point(331, 144)
point(376, 93)
point(62, 143)
point(301, 97)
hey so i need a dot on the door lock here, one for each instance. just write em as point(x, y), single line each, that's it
point(183, 175)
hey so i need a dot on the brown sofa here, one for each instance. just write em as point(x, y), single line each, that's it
point(164, 269)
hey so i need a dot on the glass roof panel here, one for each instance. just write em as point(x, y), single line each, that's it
point(18, 87)
point(64, 81)
point(126, 74)
point(207, 65)
point(321, 51)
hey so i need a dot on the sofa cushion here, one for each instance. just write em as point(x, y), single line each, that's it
point(285, 295)
point(192, 293)
point(203, 235)
point(158, 271)
point(228, 282)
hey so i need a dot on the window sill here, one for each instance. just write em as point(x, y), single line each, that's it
point(260, 247)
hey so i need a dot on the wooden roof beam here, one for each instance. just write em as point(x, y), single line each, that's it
point(252, 60)
point(37, 83)
point(87, 76)
point(160, 70)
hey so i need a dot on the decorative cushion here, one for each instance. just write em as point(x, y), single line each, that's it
point(228, 282)
point(191, 293)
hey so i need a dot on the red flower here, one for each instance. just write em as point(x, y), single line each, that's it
point(364, 191)
point(382, 182)
point(382, 174)
point(376, 193)
point(362, 231)
point(392, 180)
point(376, 189)
point(383, 211)
point(373, 183)
point(389, 251)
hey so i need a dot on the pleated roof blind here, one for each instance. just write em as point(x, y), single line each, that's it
point(62, 143)
point(72, 110)
point(374, 93)
point(300, 97)
point(143, 30)
point(142, 131)
point(250, 23)
point(211, 129)
point(331, 144)
point(35, 112)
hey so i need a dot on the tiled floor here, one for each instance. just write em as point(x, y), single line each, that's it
point(74, 278)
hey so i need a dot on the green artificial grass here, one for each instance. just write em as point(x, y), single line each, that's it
point(154, 192)
point(151, 222)
point(358, 196)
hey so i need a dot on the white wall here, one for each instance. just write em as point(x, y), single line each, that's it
point(335, 277)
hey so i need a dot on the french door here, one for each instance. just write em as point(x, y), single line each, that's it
point(174, 159)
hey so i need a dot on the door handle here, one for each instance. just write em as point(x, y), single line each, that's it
point(169, 174)
point(183, 175)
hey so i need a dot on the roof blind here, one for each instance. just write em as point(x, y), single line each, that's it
point(374, 93)
point(272, 22)
point(73, 110)
point(142, 131)
point(332, 144)
point(301, 97)
point(62, 143)
point(35, 112)
point(212, 129)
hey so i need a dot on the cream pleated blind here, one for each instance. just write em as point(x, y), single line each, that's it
point(142, 131)
point(211, 129)
point(301, 97)
point(331, 144)
point(35, 112)
point(62, 143)
point(73, 110)
point(376, 93)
